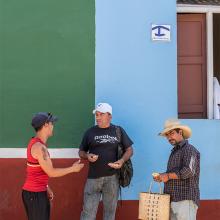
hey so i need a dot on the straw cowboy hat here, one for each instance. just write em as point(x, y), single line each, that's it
point(172, 124)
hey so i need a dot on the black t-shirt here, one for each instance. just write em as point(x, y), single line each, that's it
point(104, 143)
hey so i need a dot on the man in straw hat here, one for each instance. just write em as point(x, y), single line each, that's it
point(181, 180)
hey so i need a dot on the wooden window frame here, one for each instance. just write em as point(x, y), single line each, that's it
point(208, 10)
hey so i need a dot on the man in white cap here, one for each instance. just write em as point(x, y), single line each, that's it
point(99, 146)
point(181, 180)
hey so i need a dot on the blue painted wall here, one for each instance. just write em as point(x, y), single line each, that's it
point(138, 78)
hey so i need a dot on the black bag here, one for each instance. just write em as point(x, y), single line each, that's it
point(125, 173)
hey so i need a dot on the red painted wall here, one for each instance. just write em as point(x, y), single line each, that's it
point(68, 192)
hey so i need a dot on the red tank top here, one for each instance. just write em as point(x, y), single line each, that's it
point(36, 179)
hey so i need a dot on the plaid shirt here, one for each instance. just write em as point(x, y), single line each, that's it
point(185, 162)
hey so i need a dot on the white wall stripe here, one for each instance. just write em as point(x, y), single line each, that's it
point(54, 152)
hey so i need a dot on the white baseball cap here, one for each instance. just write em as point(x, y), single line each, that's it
point(103, 108)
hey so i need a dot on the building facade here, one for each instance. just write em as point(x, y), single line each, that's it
point(151, 60)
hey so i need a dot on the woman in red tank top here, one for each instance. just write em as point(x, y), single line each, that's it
point(36, 193)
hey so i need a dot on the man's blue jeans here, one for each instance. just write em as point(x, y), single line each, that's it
point(108, 188)
point(183, 210)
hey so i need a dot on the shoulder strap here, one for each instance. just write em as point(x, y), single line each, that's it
point(118, 133)
point(119, 137)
